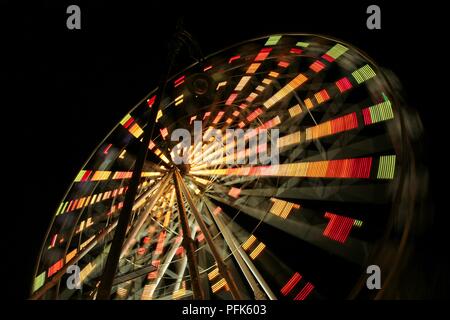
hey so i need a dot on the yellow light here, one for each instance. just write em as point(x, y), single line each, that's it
point(80, 203)
point(179, 100)
point(295, 110)
point(147, 293)
point(100, 175)
point(136, 130)
point(84, 244)
point(273, 74)
point(252, 97)
point(260, 88)
point(257, 251)
point(70, 255)
point(242, 83)
point(159, 115)
point(213, 274)
point(178, 293)
point(122, 292)
point(84, 273)
point(81, 227)
point(321, 96)
point(282, 208)
point(287, 89)
point(308, 103)
point(293, 138)
point(249, 242)
point(218, 285)
point(253, 67)
point(221, 84)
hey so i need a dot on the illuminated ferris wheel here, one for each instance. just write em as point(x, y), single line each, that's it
point(298, 215)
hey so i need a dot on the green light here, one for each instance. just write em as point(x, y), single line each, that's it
point(38, 281)
point(273, 40)
point(59, 208)
point(80, 175)
point(381, 112)
point(386, 167)
point(337, 51)
point(125, 119)
point(363, 74)
point(302, 44)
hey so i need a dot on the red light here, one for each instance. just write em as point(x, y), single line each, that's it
point(69, 207)
point(322, 96)
point(52, 243)
point(55, 267)
point(86, 175)
point(200, 237)
point(128, 123)
point(234, 192)
point(328, 58)
point(343, 84)
point(317, 66)
point(207, 68)
point(304, 293)
point(349, 168)
point(153, 274)
point(291, 284)
point(146, 240)
point(160, 244)
point(252, 116)
point(74, 206)
point(283, 64)
point(367, 117)
point(234, 58)
point(206, 115)
point(231, 99)
point(338, 228)
point(262, 55)
point(344, 123)
point(217, 210)
point(107, 148)
point(251, 97)
point(296, 51)
point(179, 251)
point(179, 81)
point(164, 132)
point(218, 117)
point(151, 101)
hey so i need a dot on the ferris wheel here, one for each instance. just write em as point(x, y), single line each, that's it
point(296, 207)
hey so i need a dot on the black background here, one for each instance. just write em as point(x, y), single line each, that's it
point(70, 87)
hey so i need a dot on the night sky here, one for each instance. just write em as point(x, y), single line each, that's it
point(71, 87)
